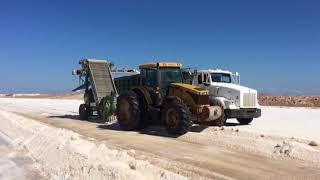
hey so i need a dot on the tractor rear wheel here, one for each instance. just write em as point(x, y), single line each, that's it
point(244, 120)
point(128, 111)
point(176, 117)
point(84, 111)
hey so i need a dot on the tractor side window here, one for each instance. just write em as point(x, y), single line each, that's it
point(200, 79)
point(151, 77)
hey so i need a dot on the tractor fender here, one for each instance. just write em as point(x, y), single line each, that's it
point(143, 91)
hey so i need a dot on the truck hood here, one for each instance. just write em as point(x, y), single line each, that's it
point(235, 87)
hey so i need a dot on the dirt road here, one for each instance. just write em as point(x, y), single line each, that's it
point(233, 152)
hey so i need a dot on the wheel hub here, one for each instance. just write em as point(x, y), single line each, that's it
point(124, 110)
point(172, 118)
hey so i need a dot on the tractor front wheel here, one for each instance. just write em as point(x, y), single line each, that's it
point(176, 117)
point(128, 111)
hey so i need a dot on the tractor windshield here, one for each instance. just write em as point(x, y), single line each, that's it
point(170, 75)
point(221, 77)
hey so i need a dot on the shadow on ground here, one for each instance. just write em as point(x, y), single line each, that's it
point(227, 124)
point(154, 130)
point(76, 117)
point(67, 116)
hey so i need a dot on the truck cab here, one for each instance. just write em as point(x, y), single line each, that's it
point(225, 90)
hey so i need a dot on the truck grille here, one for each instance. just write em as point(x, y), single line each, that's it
point(249, 99)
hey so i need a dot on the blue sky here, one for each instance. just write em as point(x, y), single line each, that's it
point(274, 45)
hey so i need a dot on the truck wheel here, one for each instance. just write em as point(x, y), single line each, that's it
point(222, 120)
point(84, 112)
point(128, 111)
point(244, 120)
point(176, 117)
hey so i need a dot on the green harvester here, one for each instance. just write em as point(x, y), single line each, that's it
point(100, 96)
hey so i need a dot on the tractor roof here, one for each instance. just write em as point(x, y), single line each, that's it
point(160, 64)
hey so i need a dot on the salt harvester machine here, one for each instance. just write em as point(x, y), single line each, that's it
point(100, 96)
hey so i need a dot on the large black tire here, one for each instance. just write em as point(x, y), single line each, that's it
point(244, 120)
point(128, 111)
point(84, 112)
point(144, 114)
point(176, 117)
point(222, 120)
point(103, 116)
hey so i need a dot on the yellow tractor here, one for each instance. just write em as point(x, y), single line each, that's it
point(158, 94)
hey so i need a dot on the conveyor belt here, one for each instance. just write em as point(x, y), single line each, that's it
point(101, 79)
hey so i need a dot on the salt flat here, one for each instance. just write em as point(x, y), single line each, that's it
point(299, 122)
point(275, 144)
point(286, 121)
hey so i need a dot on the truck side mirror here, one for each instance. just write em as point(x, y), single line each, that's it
point(236, 78)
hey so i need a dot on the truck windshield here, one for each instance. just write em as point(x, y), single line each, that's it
point(170, 75)
point(221, 77)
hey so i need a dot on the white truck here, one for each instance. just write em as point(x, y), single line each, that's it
point(224, 88)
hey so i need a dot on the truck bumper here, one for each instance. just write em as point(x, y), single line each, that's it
point(243, 113)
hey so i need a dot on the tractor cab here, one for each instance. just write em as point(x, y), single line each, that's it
point(158, 76)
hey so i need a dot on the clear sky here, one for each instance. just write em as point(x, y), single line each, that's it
point(275, 45)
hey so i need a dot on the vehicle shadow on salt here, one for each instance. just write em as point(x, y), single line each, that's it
point(76, 117)
point(230, 124)
point(154, 130)
point(67, 116)
point(160, 130)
